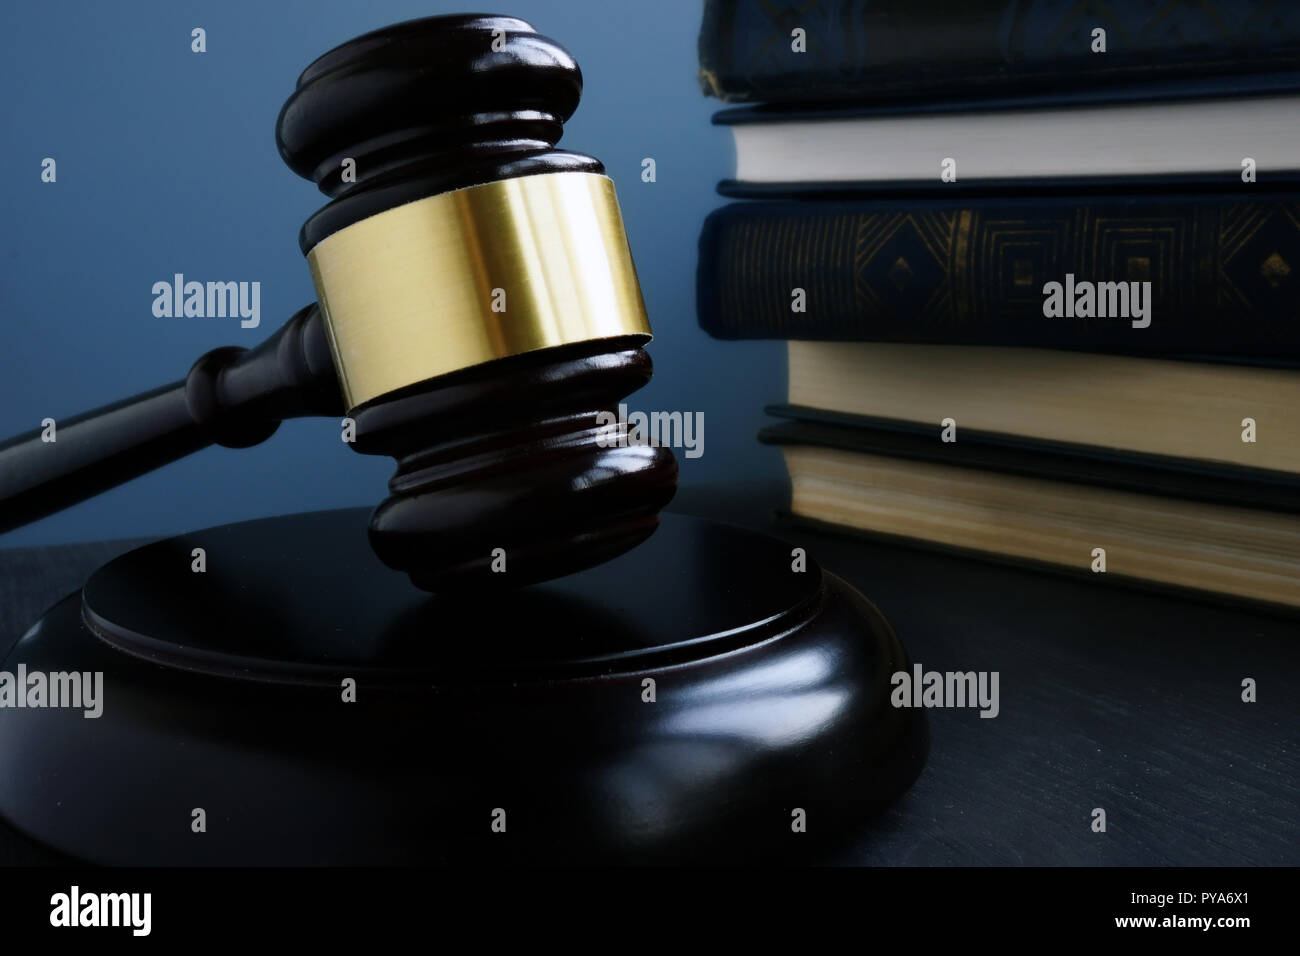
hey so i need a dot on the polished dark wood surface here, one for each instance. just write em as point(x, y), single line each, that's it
point(506, 455)
point(232, 396)
point(1110, 697)
point(224, 690)
point(512, 455)
point(427, 106)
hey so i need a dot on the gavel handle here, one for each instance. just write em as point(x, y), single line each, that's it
point(232, 396)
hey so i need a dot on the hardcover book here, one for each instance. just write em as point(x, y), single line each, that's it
point(1144, 133)
point(876, 484)
point(1228, 420)
point(877, 49)
point(1189, 478)
point(1130, 271)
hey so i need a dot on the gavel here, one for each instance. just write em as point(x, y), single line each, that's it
point(477, 311)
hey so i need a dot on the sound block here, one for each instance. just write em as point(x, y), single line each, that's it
point(695, 699)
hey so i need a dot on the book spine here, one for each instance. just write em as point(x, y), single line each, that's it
point(864, 49)
point(1138, 274)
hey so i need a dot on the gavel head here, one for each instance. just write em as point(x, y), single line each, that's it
point(481, 303)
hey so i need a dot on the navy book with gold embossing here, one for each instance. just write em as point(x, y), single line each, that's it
point(1132, 268)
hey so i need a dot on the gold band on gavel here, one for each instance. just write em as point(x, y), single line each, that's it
point(480, 273)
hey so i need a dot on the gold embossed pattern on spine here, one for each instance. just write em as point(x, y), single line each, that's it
point(409, 293)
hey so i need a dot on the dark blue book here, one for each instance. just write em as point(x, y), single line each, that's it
point(1142, 270)
point(872, 50)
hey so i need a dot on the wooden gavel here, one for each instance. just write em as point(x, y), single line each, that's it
point(478, 311)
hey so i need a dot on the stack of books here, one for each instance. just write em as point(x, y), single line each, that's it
point(1038, 264)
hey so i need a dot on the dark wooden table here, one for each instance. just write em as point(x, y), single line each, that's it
point(1110, 698)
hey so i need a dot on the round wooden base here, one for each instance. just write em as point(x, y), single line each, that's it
point(296, 702)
